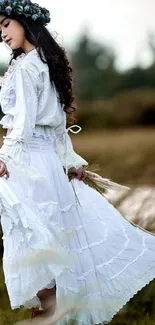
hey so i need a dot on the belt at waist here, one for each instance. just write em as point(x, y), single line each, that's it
point(40, 142)
point(37, 142)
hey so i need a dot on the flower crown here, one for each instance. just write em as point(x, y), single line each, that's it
point(27, 8)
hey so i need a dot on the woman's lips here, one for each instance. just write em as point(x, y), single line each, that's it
point(9, 41)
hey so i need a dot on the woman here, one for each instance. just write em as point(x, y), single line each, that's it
point(39, 206)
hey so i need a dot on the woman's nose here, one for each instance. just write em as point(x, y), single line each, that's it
point(3, 35)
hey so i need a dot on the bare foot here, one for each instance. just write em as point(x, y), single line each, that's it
point(48, 300)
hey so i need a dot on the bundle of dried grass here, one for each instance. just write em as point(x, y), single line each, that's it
point(100, 184)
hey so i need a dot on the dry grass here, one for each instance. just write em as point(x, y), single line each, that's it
point(125, 156)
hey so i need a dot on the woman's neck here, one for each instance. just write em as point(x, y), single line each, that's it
point(27, 46)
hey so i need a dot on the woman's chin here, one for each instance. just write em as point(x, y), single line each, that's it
point(13, 46)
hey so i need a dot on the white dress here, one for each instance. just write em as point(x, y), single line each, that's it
point(41, 209)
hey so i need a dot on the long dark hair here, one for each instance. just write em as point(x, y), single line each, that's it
point(53, 54)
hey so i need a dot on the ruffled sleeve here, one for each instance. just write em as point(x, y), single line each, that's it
point(64, 147)
point(14, 144)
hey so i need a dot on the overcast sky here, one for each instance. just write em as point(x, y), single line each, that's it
point(124, 24)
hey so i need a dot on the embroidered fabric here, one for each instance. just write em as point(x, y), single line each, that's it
point(12, 66)
point(7, 93)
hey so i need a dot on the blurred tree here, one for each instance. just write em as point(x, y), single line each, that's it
point(95, 73)
point(128, 96)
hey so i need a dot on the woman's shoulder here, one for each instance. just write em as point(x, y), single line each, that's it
point(32, 63)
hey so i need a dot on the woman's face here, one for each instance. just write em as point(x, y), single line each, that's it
point(12, 32)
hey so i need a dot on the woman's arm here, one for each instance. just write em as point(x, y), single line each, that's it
point(14, 144)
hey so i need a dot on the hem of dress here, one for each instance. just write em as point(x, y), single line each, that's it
point(31, 300)
point(144, 281)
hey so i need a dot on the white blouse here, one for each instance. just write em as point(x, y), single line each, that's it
point(31, 106)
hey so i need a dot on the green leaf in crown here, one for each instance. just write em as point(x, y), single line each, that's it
point(19, 9)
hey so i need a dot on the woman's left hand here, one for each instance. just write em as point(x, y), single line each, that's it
point(78, 173)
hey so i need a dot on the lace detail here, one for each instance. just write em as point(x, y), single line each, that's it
point(7, 93)
point(12, 66)
point(101, 308)
point(7, 121)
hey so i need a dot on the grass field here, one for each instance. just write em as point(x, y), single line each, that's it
point(128, 157)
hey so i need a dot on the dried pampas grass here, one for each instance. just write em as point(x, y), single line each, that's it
point(100, 184)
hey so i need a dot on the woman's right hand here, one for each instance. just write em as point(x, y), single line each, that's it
point(3, 170)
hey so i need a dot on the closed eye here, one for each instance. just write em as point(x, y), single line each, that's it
point(6, 25)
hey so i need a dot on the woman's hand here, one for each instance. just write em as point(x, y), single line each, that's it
point(3, 170)
point(77, 173)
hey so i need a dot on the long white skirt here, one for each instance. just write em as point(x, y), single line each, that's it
point(105, 261)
